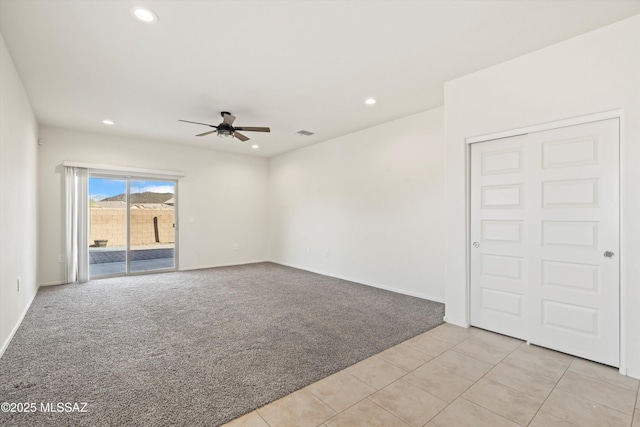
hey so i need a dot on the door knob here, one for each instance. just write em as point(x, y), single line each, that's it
point(609, 254)
point(476, 244)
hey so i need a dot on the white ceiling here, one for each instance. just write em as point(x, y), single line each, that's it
point(290, 65)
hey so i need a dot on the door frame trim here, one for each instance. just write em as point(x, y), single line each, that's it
point(589, 118)
point(605, 115)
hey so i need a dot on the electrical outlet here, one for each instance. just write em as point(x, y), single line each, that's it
point(61, 259)
point(235, 246)
point(18, 284)
point(308, 249)
point(326, 253)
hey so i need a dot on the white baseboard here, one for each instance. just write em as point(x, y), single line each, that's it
point(373, 285)
point(633, 373)
point(52, 283)
point(457, 322)
point(18, 323)
point(203, 267)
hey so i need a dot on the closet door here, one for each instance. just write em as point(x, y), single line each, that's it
point(573, 286)
point(545, 239)
point(498, 235)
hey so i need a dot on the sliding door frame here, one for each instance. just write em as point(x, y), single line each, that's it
point(127, 178)
point(175, 225)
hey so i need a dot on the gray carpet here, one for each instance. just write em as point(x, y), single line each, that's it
point(196, 348)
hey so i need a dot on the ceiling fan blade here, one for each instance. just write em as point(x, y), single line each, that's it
point(207, 133)
point(198, 123)
point(254, 129)
point(228, 118)
point(240, 136)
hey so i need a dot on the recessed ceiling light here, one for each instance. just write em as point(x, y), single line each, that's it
point(255, 147)
point(108, 122)
point(370, 101)
point(144, 15)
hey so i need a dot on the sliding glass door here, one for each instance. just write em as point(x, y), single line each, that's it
point(107, 226)
point(151, 225)
point(132, 225)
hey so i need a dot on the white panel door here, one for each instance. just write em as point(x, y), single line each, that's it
point(498, 233)
point(573, 291)
point(546, 265)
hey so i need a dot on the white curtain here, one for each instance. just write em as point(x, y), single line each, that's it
point(77, 227)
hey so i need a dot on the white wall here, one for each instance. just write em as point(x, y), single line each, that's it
point(18, 172)
point(226, 194)
point(595, 72)
point(366, 207)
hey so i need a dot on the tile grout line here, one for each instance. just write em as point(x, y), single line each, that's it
point(635, 404)
point(393, 415)
point(556, 384)
point(490, 345)
point(550, 393)
point(636, 408)
point(348, 407)
point(376, 389)
point(502, 360)
point(408, 372)
point(488, 379)
point(419, 388)
point(479, 360)
point(485, 374)
point(366, 397)
point(473, 383)
point(490, 410)
point(392, 382)
point(518, 367)
point(405, 374)
point(587, 399)
point(260, 415)
point(592, 401)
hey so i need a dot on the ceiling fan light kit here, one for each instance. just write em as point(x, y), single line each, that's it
point(226, 128)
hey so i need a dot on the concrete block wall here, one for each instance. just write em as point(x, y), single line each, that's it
point(111, 224)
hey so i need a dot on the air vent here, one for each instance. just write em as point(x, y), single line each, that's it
point(304, 133)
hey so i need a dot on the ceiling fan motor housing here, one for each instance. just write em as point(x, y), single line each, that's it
point(225, 130)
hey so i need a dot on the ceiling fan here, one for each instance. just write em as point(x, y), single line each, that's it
point(226, 128)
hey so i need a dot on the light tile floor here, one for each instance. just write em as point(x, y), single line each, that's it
point(452, 376)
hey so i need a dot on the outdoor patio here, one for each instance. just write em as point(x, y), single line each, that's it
point(112, 260)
